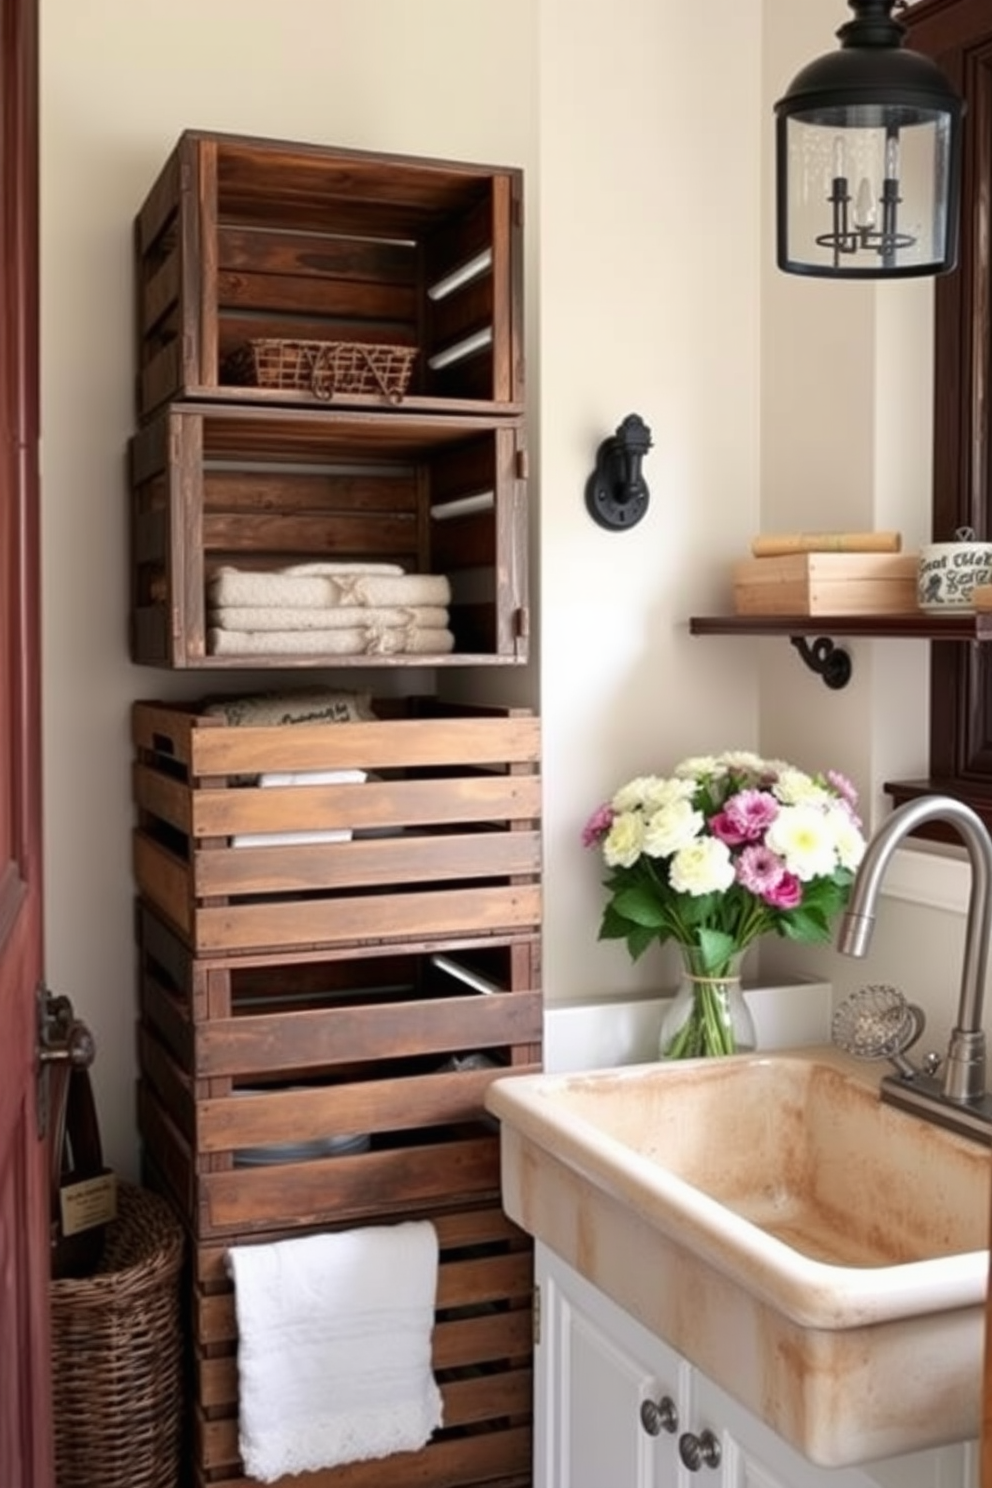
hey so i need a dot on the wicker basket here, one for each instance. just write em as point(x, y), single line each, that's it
point(117, 1352)
point(324, 368)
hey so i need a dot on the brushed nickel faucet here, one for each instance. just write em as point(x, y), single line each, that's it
point(957, 1098)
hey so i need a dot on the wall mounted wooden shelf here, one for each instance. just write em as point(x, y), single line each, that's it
point(832, 662)
point(971, 626)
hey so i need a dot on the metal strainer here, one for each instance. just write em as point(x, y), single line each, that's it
point(877, 1022)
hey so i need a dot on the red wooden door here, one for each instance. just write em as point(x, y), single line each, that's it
point(25, 1409)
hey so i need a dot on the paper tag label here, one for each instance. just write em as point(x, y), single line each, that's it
point(91, 1202)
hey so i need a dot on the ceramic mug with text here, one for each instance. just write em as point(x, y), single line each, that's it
point(949, 571)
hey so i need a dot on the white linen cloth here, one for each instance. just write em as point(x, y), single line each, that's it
point(325, 617)
point(304, 836)
point(313, 585)
point(389, 640)
point(334, 1347)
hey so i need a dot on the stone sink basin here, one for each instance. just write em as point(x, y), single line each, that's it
point(819, 1255)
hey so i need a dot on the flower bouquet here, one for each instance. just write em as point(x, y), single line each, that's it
point(727, 848)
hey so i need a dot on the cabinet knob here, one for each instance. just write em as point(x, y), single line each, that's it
point(699, 1451)
point(659, 1415)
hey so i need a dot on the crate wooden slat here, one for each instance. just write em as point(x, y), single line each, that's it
point(304, 1040)
point(242, 237)
point(454, 805)
point(262, 489)
point(496, 1459)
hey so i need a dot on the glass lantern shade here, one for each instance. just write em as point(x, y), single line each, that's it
point(868, 146)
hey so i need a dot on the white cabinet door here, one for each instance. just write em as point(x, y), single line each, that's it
point(596, 1372)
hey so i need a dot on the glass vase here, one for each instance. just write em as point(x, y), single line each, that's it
point(708, 1015)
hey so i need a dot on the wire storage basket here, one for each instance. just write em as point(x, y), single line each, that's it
point(117, 1355)
point(324, 368)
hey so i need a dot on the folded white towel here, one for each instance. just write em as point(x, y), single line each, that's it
point(302, 838)
point(389, 640)
point(374, 591)
point(325, 566)
point(312, 586)
point(305, 836)
point(334, 1347)
point(324, 617)
point(312, 777)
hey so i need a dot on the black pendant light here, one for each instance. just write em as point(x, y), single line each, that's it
point(868, 158)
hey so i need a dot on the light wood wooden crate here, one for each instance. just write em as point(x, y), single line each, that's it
point(826, 584)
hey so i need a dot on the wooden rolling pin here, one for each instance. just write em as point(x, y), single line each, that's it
point(775, 545)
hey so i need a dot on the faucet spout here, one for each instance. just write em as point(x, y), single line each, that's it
point(964, 1070)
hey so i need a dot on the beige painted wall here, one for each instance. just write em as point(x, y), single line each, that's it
point(649, 288)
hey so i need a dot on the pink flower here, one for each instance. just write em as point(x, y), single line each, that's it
point(843, 787)
point(751, 813)
point(786, 894)
point(760, 871)
point(597, 826)
point(849, 810)
point(724, 828)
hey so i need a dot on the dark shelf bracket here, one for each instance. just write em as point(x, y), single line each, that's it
point(828, 661)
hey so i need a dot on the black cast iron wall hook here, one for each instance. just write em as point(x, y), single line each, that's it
point(616, 492)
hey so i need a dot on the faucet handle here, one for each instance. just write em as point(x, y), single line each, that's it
point(931, 1062)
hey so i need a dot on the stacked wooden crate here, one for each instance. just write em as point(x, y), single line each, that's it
point(247, 241)
point(319, 1020)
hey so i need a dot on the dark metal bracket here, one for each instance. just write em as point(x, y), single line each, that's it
point(828, 661)
point(616, 493)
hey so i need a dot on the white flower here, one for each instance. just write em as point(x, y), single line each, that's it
point(703, 867)
point(672, 827)
point(631, 797)
point(849, 844)
point(623, 842)
point(795, 788)
point(666, 792)
point(804, 837)
point(743, 760)
point(700, 767)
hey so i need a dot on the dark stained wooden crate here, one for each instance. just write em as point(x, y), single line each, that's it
point(482, 1358)
point(395, 1049)
point(263, 489)
point(243, 238)
point(451, 807)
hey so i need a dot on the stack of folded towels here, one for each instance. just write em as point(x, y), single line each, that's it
point(337, 609)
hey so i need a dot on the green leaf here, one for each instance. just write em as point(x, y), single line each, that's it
point(716, 948)
point(638, 941)
point(641, 906)
point(613, 926)
point(802, 925)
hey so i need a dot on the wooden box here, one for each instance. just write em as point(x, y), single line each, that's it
point(826, 584)
point(284, 1092)
point(263, 489)
point(482, 1360)
point(444, 834)
point(244, 238)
